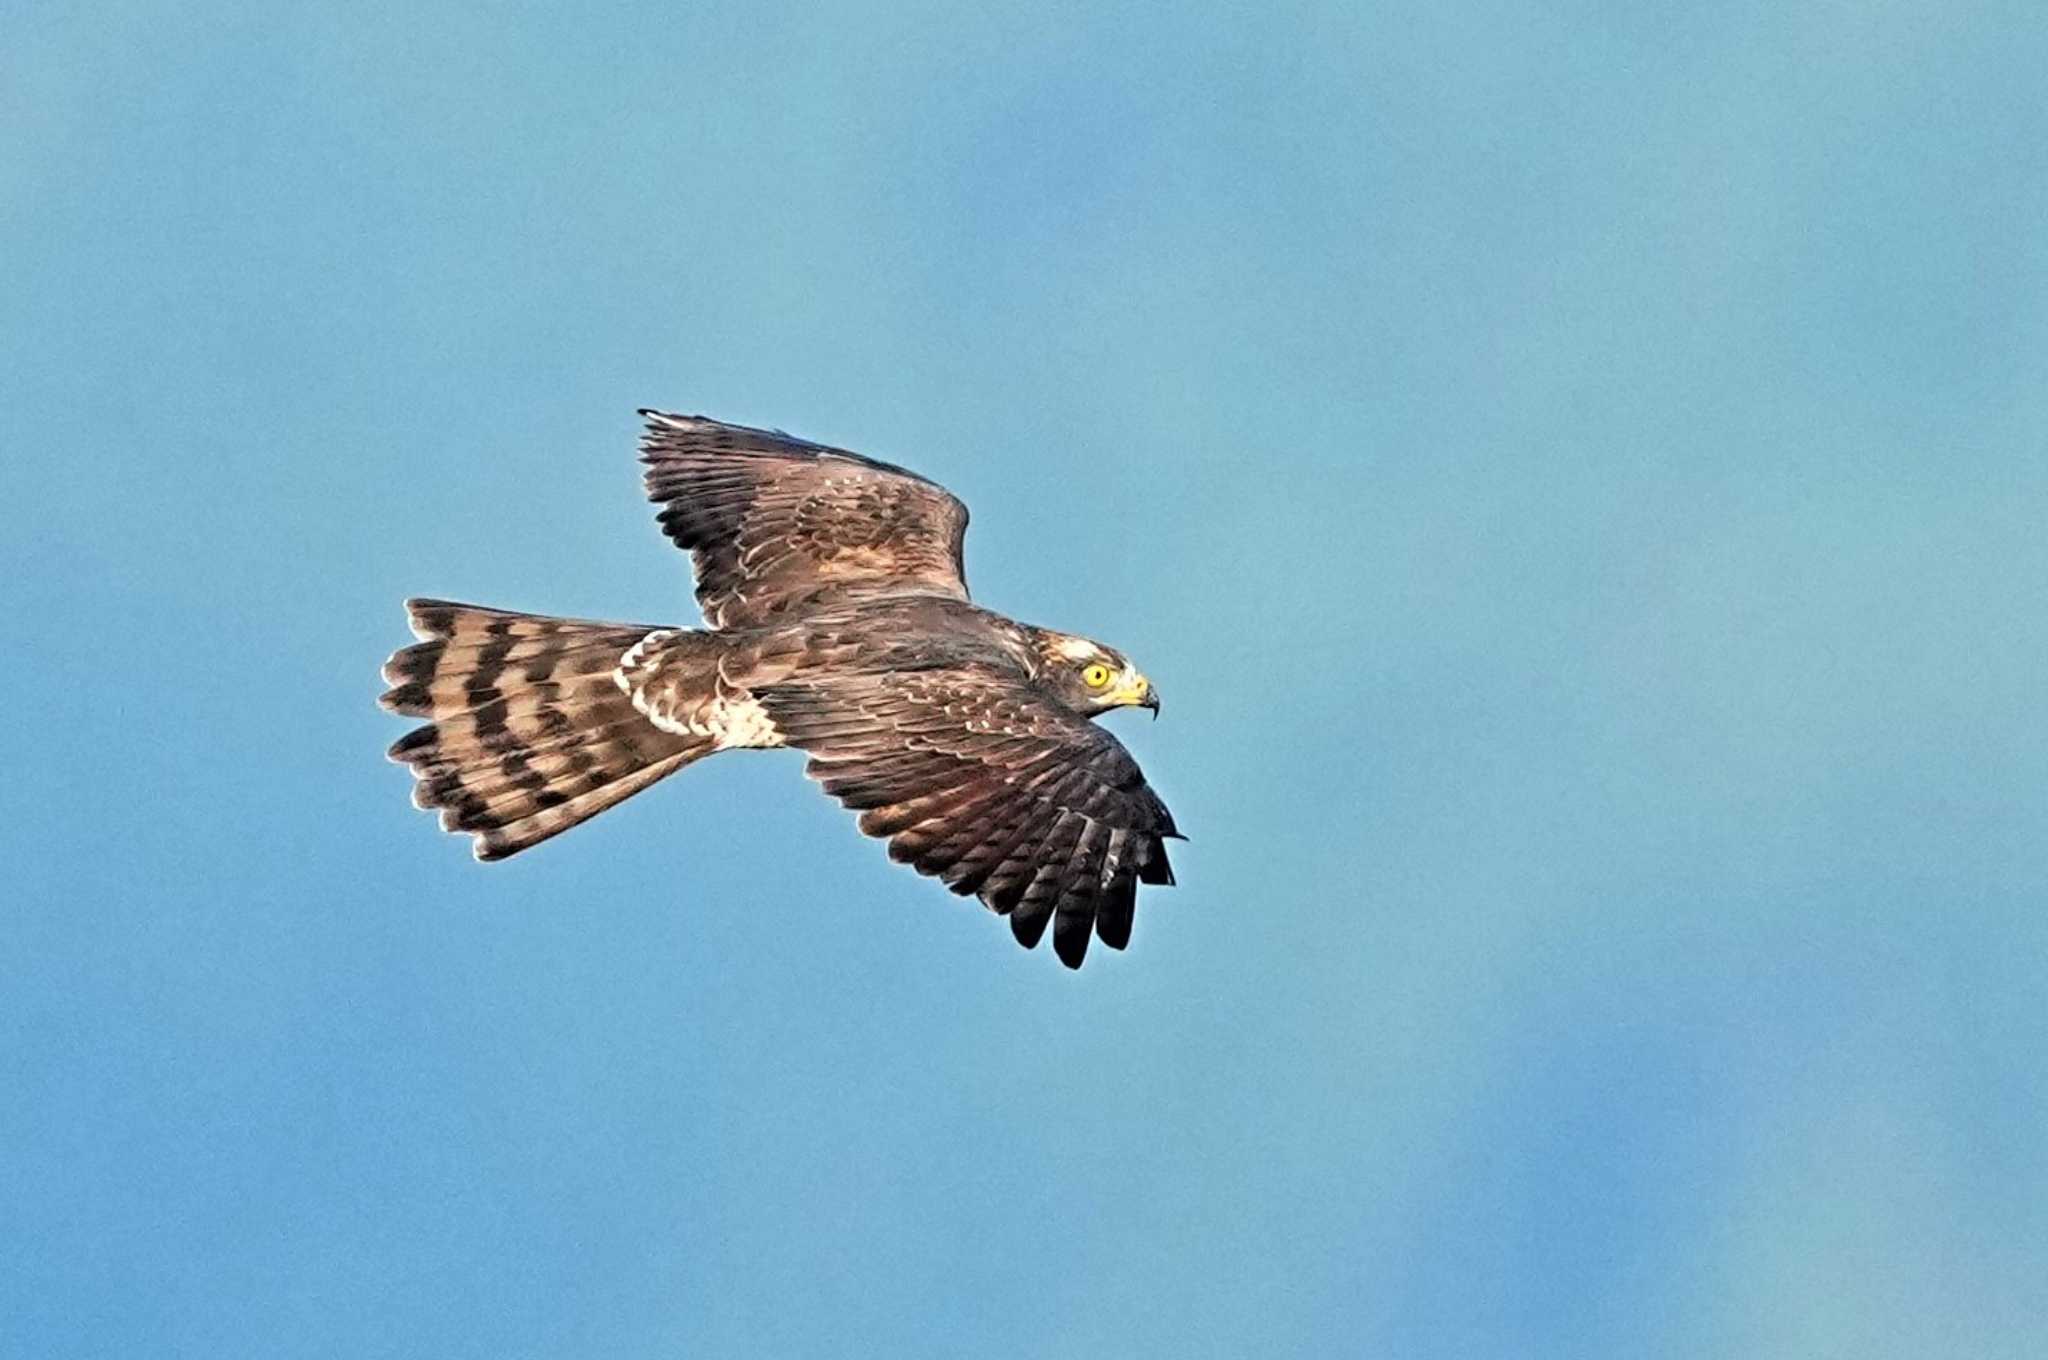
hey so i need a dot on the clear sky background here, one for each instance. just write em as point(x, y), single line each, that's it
point(1578, 474)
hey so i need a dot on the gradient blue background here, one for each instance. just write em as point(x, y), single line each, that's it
point(1578, 474)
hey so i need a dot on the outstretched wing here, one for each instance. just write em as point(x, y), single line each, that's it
point(779, 527)
point(978, 780)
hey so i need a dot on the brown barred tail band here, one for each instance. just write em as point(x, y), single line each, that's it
point(529, 730)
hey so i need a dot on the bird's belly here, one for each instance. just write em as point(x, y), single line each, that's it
point(740, 721)
point(730, 720)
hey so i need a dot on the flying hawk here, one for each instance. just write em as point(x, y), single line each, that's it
point(839, 624)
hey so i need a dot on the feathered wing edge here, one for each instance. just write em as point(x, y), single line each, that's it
point(977, 781)
point(777, 525)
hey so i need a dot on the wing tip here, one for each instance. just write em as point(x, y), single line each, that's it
point(1071, 932)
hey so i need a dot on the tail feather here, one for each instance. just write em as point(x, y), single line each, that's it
point(542, 764)
point(530, 732)
point(493, 791)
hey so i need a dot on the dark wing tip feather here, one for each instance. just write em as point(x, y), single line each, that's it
point(1156, 870)
point(1072, 924)
point(1029, 925)
point(1114, 913)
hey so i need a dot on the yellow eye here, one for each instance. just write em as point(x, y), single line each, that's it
point(1096, 676)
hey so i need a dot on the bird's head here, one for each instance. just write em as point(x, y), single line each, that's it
point(1091, 678)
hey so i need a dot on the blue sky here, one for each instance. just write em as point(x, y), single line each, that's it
point(1576, 472)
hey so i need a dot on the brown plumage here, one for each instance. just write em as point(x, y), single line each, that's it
point(840, 625)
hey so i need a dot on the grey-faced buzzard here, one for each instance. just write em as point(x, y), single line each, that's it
point(839, 624)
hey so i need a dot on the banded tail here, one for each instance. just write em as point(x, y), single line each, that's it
point(531, 731)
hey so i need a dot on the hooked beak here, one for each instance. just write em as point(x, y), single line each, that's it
point(1136, 692)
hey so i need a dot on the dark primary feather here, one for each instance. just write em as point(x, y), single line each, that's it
point(979, 780)
point(779, 527)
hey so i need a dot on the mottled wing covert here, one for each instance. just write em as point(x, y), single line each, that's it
point(779, 527)
point(976, 779)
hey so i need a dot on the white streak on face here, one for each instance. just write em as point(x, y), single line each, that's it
point(1077, 649)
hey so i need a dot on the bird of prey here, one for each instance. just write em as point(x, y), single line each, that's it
point(838, 624)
